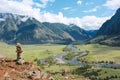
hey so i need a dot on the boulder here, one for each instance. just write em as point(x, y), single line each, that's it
point(20, 61)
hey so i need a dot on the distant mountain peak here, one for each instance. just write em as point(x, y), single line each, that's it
point(73, 25)
point(24, 19)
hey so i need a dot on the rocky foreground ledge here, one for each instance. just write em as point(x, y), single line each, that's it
point(9, 70)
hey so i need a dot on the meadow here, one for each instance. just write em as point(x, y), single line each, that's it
point(99, 53)
point(31, 52)
point(96, 53)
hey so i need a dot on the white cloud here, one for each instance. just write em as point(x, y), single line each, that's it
point(54, 18)
point(44, 3)
point(22, 8)
point(91, 10)
point(79, 2)
point(69, 9)
point(86, 22)
point(112, 4)
point(93, 22)
point(89, 3)
point(25, 7)
point(26, 2)
point(66, 8)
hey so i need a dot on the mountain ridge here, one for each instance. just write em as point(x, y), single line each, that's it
point(16, 28)
point(109, 33)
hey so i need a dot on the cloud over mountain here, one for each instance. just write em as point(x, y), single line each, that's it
point(112, 4)
point(34, 9)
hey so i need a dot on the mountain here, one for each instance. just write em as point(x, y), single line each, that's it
point(109, 33)
point(16, 28)
point(73, 31)
point(77, 33)
point(92, 33)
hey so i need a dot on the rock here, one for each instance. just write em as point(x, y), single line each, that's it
point(34, 74)
point(51, 78)
point(20, 61)
point(6, 75)
point(11, 70)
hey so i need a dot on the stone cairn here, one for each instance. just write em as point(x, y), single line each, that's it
point(19, 51)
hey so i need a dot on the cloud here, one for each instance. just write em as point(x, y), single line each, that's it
point(79, 2)
point(70, 9)
point(59, 18)
point(44, 3)
point(112, 4)
point(91, 10)
point(89, 3)
point(93, 22)
point(25, 7)
point(66, 8)
point(86, 22)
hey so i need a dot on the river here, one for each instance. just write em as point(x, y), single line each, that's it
point(74, 61)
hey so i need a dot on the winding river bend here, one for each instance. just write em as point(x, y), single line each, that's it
point(74, 61)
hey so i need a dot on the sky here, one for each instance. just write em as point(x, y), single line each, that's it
point(87, 14)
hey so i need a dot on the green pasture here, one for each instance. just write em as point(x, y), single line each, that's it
point(101, 53)
point(108, 72)
point(59, 68)
point(31, 52)
point(97, 73)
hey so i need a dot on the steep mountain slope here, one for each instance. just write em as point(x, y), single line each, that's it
point(8, 26)
point(77, 32)
point(74, 32)
point(58, 29)
point(92, 33)
point(15, 28)
point(109, 33)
